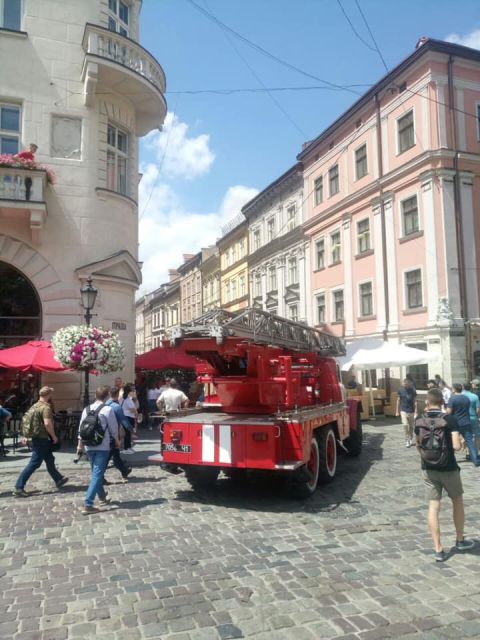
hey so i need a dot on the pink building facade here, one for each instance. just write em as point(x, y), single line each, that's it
point(392, 211)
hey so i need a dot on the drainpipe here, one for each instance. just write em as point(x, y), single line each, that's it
point(459, 220)
point(384, 234)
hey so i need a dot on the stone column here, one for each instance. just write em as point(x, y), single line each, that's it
point(469, 246)
point(281, 285)
point(379, 280)
point(302, 279)
point(391, 250)
point(431, 292)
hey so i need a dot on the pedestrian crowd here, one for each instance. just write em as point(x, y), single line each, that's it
point(107, 429)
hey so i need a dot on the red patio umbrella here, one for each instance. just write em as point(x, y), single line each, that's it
point(34, 356)
point(166, 358)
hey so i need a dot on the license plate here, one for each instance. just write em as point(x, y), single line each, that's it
point(176, 448)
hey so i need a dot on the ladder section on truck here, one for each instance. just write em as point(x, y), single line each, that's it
point(260, 327)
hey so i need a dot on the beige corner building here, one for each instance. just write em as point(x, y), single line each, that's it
point(233, 251)
point(80, 86)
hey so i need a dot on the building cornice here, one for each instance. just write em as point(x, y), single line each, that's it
point(282, 183)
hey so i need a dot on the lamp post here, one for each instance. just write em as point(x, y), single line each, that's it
point(88, 295)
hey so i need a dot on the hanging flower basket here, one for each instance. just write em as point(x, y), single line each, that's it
point(89, 348)
point(9, 160)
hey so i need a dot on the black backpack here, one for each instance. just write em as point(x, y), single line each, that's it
point(91, 431)
point(432, 439)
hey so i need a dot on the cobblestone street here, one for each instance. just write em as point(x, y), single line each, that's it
point(354, 562)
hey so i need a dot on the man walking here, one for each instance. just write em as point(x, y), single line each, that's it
point(172, 399)
point(99, 454)
point(459, 407)
point(122, 421)
point(445, 476)
point(41, 430)
point(407, 408)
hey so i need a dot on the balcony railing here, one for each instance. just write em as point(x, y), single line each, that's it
point(22, 185)
point(107, 44)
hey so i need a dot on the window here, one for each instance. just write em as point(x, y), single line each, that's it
point(234, 289)
point(256, 239)
point(10, 14)
point(363, 236)
point(227, 291)
point(320, 299)
point(271, 229)
point(291, 218)
point(242, 285)
point(118, 17)
point(419, 372)
point(338, 311)
point(258, 285)
point(333, 180)
point(241, 249)
point(410, 216)
point(366, 299)
point(478, 121)
point(320, 254)
point(293, 312)
point(406, 134)
point(335, 255)
point(272, 279)
point(318, 190)
point(361, 167)
point(413, 286)
point(231, 259)
point(117, 156)
point(292, 271)
point(9, 128)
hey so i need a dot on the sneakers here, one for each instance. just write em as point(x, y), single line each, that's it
point(440, 556)
point(88, 510)
point(129, 471)
point(463, 545)
point(408, 443)
point(129, 451)
point(19, 493)
point(62, 482)
point(103, 502)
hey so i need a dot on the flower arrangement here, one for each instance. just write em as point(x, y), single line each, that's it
point(9, 160)
point(89, 348)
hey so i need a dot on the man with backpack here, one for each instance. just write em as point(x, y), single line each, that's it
point(98, 427)
point(438, 438)
point(38, 429)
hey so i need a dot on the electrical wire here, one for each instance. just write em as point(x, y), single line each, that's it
point(372, 36)
point(261, 90)
point(162, 159)
point(353, 28)
point(263, 51)
point(258, 79)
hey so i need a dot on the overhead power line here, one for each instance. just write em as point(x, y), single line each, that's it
point(263, 51)
point(372, 36)
point(353, 28)
point(265, 89)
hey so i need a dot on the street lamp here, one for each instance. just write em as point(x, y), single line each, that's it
point(88, 295)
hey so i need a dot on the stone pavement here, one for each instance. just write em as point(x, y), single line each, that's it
point(353, 563)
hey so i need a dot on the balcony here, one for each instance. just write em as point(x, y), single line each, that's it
point(115, 63)
point(22, 196)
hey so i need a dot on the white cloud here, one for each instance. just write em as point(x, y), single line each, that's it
point(168, 229)
point(177, 153)
point(471, 39)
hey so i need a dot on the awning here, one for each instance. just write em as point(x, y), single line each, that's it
point(166, 358)
point(376, 354)
point(34, 356)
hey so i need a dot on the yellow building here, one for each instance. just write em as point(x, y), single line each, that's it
point(233, 251)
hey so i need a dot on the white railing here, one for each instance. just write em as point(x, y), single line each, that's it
point(22, 184)
point(113, 46)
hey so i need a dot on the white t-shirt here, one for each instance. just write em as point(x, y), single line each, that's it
point(173, 399)
point(153, 394)
point(129, 407)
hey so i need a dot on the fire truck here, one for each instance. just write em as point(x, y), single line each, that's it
point(276, 402)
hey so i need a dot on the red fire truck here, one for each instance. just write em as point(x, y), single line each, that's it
point(276, 403)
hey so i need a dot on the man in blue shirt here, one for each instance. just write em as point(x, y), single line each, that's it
point(122, 420)
point(459, 407)
point(407, 408)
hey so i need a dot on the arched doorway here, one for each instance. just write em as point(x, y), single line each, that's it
point(20, 308)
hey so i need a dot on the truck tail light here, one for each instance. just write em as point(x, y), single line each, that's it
point(176, 436)
point(260, 436)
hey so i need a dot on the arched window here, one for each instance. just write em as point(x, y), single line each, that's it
point(20, 309)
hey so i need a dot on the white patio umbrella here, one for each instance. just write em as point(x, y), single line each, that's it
point(375, 354)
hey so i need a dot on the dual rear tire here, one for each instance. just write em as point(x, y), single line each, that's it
point(322, 464)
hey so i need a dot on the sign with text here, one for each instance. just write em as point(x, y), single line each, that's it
point(119, 326)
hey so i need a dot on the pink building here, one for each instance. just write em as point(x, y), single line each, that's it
point(393, 211)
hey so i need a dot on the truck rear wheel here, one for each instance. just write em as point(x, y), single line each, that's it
point(306, 482)
point(354, 442)
point(327, 445)
point(201, 477)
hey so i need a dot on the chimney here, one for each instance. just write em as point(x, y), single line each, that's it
point(172, 275)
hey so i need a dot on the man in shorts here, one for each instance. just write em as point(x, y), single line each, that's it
point(445, 478)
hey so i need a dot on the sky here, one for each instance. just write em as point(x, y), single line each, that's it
point(218, 150)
